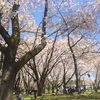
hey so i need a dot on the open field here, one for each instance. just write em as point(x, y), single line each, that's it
point(85, 96)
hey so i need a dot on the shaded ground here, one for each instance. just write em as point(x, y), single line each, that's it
point(85, 96)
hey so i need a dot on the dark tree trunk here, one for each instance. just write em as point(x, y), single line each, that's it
point(96, 90)
point(53, 87)
point(16, 85)
point(41, 85)
point(75, 64)
point(40, 89)
point(6, 90)
point(8, 74)
point(44, 89)
point(64, 82)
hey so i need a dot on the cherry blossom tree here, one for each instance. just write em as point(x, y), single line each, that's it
point(17, 20)
point(9, 15)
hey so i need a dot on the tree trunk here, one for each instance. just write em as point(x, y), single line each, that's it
point(6, 90)
point(44, 89)
point(96, 90)
point(40, 89)
point(75, 64)
point(76, 72)
point(9, 62)
point(64, 82)
point(53, 87)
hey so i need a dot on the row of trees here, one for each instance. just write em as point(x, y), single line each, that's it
point(66, 40)
point(54, 67)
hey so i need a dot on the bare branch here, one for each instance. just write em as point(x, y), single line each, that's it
point(84, 73)
point(15, 26)
point(32, 53)
point(44, 18)
point(77, 41)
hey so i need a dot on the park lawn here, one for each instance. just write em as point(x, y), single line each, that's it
point(85, 96)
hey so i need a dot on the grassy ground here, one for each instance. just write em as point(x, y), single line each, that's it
point(85, 96)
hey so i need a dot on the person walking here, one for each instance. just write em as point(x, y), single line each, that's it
point(70, 90)
point(20, 97)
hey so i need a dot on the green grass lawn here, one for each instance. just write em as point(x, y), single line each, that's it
point(85, 96)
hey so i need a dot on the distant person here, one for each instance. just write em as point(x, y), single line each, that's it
point(70, 90)
point(20, 96)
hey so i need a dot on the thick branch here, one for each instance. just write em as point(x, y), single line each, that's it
point(32, 53)
point(4, 34)
point(15, 27)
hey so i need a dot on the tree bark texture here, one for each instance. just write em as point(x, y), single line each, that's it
point(6, 90)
